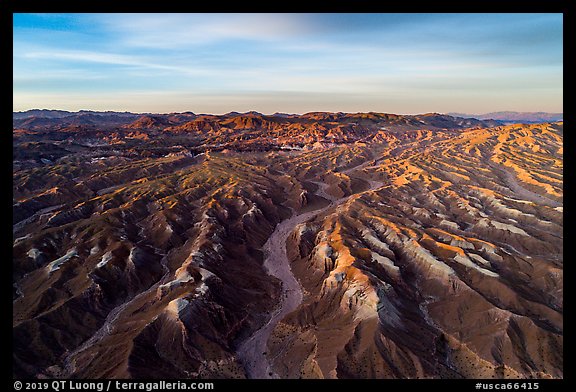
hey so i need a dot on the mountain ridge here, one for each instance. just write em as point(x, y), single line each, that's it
point(512, 117)
point(45, 118)
point(322, 245)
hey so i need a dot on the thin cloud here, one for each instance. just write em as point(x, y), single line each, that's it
point(185, 30)
point(112, 59)
point(342, 59)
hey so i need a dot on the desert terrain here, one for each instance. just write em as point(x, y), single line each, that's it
point(322, 245)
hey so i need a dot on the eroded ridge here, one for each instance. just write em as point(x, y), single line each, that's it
point(390, 254)
point(448, 270)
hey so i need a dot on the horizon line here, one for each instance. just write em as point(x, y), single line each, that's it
point(286, 113)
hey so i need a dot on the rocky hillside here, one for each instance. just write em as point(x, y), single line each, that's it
point(337, 245)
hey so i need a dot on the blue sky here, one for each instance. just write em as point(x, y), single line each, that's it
point(295, 63)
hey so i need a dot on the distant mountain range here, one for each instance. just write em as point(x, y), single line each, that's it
point(515, 117)
point(337, 124)
point(84, 116)
point(48, 113)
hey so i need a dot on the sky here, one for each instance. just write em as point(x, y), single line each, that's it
point(291, 63)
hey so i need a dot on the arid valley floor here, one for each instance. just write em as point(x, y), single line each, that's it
point(323, 245)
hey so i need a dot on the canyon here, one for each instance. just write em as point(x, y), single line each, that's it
point(322, 245)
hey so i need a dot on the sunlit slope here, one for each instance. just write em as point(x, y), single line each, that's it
point(453, 268)
point(433, 254)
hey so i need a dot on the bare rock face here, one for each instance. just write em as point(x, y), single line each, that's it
point(397, 247)
point(436, 275)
